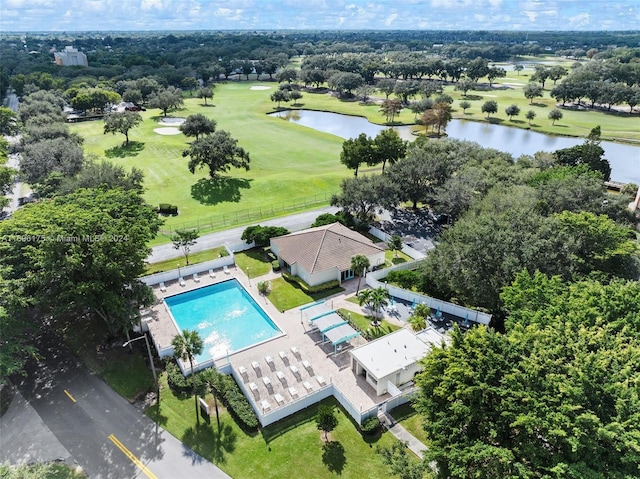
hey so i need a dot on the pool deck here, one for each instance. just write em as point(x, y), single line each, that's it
point(325, 365)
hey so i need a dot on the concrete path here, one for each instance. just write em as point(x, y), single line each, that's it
point(295, 222)
point(403, 435)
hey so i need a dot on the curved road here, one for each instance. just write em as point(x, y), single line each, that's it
point(104, 434)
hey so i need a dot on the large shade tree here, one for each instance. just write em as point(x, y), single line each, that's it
point(122, 122)
point(558, 390)
point(198, 124)
point(86, 253)
point(219, 152)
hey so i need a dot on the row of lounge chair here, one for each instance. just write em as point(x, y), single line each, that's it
point(291, 389)
point(196, 278)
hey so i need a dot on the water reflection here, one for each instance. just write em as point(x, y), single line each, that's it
point(624, 159)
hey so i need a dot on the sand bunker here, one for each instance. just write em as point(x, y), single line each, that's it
point(167, 131)
point(171, 121)
point(260, 87)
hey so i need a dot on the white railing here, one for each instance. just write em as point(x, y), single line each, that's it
point(280, 412)
point(185, 271)
point(242, 246)
point(373, 280)
point(408, 250)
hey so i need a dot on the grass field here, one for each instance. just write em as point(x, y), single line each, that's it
point(294, 168)
point(290, 448)
point(288, 163)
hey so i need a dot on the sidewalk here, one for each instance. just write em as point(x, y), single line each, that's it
point(405, 436)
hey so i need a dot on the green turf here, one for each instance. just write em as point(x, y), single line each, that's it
point(285, 295)
point(363, 323)
point(408, 418)
point(292, 168)
point(290, 448)
point(194, 258)
point(253, 262)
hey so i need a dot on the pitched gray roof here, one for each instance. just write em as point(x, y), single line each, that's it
point(324, 247)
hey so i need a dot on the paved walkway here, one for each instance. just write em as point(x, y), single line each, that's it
point(404, 436)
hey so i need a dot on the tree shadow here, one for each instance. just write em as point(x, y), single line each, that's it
point(204, 441)
point(473, 97)
point(495, 120)
point(517, 122)
point(209, 191)
point(539, 105)
point(155, 413)
point(333, 456)
point(208, 105)
point(123, 151)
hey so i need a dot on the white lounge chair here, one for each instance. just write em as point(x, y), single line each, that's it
point(307, 385)
point(269, 361)
point(293, 391)
point(283, 355)
point(181, 281)
point(255, 366)
point(295, 351)
point(279, 398)
point(243, 372)
point(253, 387)
point(265, 405)
point(306, 364)
point(320, 380)
point(294, 370)
point(163, 288)
point(281, 377)
point(226, 270)
point(212, 273)
point(196, 278)
point(266, 381)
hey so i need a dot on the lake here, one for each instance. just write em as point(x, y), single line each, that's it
point(624, 159)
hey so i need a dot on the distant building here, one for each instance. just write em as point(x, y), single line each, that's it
point(70, 57)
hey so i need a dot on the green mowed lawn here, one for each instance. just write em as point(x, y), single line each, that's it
point(290, 448)
point(288, 162)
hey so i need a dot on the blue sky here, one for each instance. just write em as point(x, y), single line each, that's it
point(92, 15)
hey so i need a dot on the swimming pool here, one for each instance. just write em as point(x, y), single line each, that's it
point(226, 316)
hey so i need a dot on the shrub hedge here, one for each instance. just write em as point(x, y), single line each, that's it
point(370, 426)
point(310, 289)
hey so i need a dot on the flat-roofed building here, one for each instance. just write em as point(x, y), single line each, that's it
point(394, 358)
point(70, 57)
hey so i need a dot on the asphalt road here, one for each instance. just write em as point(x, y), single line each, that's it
point(105, 435)
point(292, 223)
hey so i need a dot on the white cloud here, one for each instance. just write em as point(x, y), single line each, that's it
point(390, 19)
point(229, 14)
point(580, 20)
point(147, 5)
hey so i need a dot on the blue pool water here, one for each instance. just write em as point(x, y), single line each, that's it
point(225, 315)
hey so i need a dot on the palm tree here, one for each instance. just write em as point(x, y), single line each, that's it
point(186, 346)
point(365, 298)
point(422, 310)
point(379, 299)
point(418, 323)
point(360, 263)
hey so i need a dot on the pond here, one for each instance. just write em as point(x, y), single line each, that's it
point(624, 159)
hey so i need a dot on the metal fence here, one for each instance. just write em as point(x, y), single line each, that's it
point(245, 216)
